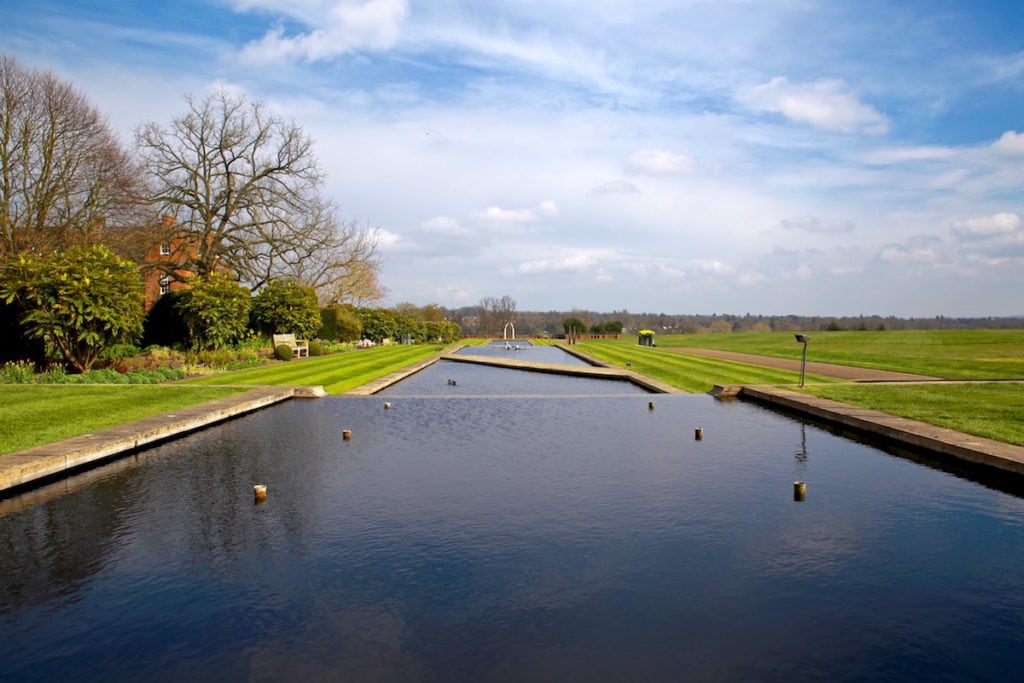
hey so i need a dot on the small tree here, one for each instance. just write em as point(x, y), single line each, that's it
point(284, 306)
point(443, 331)
point(339, 322)
point(574, 325)
point(216, 310)
point(82, 301)
point(378, 323)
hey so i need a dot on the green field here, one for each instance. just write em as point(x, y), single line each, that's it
point(337, 373)
point(991, 409)
point(988, 409)
point(35, 414)
point(952, 354)
point(689, 373)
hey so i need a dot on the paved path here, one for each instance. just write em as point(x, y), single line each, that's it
point(846, 372)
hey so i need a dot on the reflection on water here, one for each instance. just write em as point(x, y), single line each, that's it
point(515, 539)
point(450, 378)
point(523, 350)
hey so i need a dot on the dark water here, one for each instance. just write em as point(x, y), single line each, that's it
point(527, 539)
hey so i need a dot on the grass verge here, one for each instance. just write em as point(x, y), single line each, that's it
point(337, 373)
point(952, 354)
point(689, 373)
point(34, 414)
point(989, 409)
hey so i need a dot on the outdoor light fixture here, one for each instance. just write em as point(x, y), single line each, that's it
point(803, 339)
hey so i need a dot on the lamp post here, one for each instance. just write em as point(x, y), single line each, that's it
point(803, 339)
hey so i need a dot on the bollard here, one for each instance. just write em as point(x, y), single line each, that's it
point(387, 406)
point(698, 434)
point(650, 406)
point(346, 434)
point(261, 492)
point(799, 490)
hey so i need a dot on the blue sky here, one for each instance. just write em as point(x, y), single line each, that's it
point(730, 156)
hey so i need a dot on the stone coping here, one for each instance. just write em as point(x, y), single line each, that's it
point(34, 465)
point(903, 431)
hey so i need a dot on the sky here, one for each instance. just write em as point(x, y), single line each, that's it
point(811, 157)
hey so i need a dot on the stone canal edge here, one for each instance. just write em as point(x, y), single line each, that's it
point(34, 466)
point(902, 431)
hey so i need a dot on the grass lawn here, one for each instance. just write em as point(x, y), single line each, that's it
point(34, 414)
point(337, 373)
point(991, 409)
point(952, 354)
point(689, 373)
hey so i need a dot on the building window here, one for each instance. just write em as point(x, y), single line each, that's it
point(165, 250)
point(165, 284)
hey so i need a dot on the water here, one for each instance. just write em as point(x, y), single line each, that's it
point(485, 380)
point(545, 539)
point(523, 350)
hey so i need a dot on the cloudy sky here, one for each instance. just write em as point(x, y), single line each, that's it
point(686, 156)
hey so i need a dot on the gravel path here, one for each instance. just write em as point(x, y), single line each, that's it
point(846, 372)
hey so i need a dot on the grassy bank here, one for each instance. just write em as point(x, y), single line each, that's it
point(952, 354)
point(990, 409)
point(33, 414)
point(337, 373)
point(689, 373)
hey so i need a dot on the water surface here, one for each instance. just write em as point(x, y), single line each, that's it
point(539, 538)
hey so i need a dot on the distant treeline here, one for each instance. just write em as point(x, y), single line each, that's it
point(552, 322)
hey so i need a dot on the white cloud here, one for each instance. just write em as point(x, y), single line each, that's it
point(997, 225)
point(570, 263)
point(614, 187)
point(715, 267)
point(337, 29)
point(901, 254)
point(443, 225)
point(999, 236)
point(549, 208)
point(751, 278)
point(1011, 142)
point(500, 215)
point(801, 272)
point(898, 155)
point(823, 104)
point(658, 162)
point(814, 224)
point(388, 240)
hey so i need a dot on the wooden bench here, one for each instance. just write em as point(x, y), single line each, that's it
point(300, 347)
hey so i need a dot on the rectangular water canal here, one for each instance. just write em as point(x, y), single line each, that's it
point(539, 539)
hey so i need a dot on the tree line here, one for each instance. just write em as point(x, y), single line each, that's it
point(483, 319)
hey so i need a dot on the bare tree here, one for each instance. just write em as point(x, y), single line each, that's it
point(495, 313)
point(245, 191)
point(64, 178)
